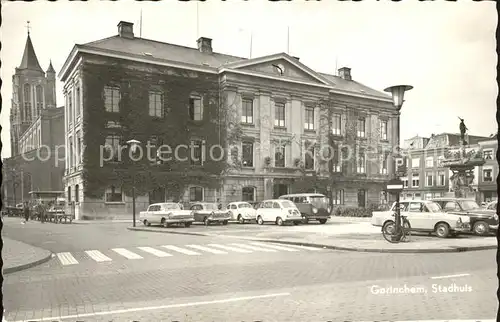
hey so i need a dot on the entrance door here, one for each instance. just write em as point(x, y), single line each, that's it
point(361, 198)
point(279, 190)
point(157, 195)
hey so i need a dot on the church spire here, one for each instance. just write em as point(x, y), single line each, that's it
point(29, 60)
point(51, 68)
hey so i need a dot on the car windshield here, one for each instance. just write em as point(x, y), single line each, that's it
point(433, 207)
point(287, 204)
point(244, 205)
point(172, 206)
point(210, 206)
point(469, 205)
point(319, 201)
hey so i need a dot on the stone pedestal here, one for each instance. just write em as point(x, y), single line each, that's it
point(461, 161)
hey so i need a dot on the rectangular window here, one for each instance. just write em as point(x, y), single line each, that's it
point(156, 104)
point(309, 158)
point(405, 182)
point(112, 97)
point(338, 197)
point(70, 108)
point(247, 111)
point(247, 154)
point(440, 161)
point(279, 156)
point(488, 154)
point(71, 164)
point(361, 163)
point(429, 181)
point(114, 194)
point(195, 109)
point(309, 123)
point(69, 194)
point(383, 130)
point(279, 115)
point(78, 146)
point(429, 163)
point(336, 124)
point(441, 178)
point(384, 163)
point(415, 182)
point(415, 163)
point(195, 194)
point(361, 128)
point(487, 175)
point(196, 153)
point(112, 146)
point(77, 101)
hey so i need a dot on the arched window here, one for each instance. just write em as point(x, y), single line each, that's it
point(39, 99)
point(27, 102)
point(248, 194)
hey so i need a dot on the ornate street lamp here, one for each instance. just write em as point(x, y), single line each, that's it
point(396, 185)
point(133, 145)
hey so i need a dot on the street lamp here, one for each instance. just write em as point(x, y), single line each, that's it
point(396, 185)
point(133, 144)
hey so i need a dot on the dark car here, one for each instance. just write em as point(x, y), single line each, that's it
point(482, 221)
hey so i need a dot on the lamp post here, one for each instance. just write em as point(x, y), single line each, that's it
point(133, 144)
point(396, 185)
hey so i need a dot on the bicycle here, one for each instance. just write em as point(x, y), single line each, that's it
point(392, 236)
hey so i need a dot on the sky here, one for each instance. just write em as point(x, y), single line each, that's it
point(446, 50)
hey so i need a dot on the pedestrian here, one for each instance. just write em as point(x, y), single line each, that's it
point(26, 210)
point(219, 205)
point(41, 211)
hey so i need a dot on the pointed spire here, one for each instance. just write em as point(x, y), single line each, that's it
point(29, 60)
point(51, 68)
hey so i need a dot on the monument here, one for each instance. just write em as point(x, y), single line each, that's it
point(461, 161)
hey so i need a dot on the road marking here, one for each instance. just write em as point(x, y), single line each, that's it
point(315, 249)
point(206, 249)
point(66, 259)
point(260, 249)
point(274, 246)
point(126, 253)
point(98, 256)
point(180, 250)
point(154, 251)
point(448, 276)
point(163, 307)
point(233, 249)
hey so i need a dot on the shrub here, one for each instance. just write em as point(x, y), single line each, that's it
point(352, 212)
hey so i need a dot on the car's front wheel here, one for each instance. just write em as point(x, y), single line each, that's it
point(187, 224)
point(481, 228)
point(442, 230)
point(279, 221)
point(322, 221)
point(260, 221)
point(225, 222)
point(146, 223)
point(241, 220)
point(206, 221)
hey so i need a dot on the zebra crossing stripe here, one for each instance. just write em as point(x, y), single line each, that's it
point(260, 249)
point(180, 250)
point(275, 247)
point(67, 259)
point(126, 253)
point(233, 249)
point(206, 249)
point(97, 256)
point(154, 251)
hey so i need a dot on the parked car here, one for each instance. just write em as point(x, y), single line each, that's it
point(492, 206)
point(279, 211)
point(208, 213)
point(424, 216)
point(166, 214)
point(312, 206)
point(482, 220)
point(241, 211)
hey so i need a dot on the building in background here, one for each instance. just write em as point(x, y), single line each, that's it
point(487, 183)
point(36, 131)
point(426, 178)
point(265, 111)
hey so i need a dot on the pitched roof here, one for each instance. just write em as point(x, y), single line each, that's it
point(190, 55)
point(29, 60)
point(51, 68)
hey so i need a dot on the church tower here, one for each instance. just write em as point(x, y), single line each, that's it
point(32, 91)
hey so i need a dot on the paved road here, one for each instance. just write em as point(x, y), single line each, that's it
point(231, 284)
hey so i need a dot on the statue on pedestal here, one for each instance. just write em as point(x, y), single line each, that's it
point(463, 129)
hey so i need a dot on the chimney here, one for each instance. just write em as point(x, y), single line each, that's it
point(126, 29)
point(345, 73)
point(205, 45)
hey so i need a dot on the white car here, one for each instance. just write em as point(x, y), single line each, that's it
point(424, 216)
point(165, 214)
point(278, 211)
point(241, 211)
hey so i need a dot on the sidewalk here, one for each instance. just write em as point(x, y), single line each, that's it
point(19, 256)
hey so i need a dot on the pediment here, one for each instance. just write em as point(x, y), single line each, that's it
point(280, 65)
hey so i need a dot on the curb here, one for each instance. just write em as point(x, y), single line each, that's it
point(14, 269)
point(168, 232)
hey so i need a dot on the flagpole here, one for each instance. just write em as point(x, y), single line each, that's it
point(197, 19)
point(251, 42)
point(336, 66)
point(288, 41)
point(140, 24)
